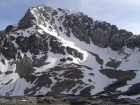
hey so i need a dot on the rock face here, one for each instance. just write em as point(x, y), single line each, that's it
point(26, 21)
point(133, 90)
point(102, 34)
point(59, 51)
point(24, 67)
point(118, 40)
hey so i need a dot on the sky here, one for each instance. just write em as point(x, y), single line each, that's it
point(125, 14)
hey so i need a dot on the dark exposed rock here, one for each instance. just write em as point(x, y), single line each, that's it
point(102, 33)
point(133, 90)
point(79, 102)
point(73, 73)
point(113, 63)
point(98, 59)
point(8, 72)
point(9, 82)
point(1, 33)
point(24, 68)
point(92, 74)
point(77, 26)
point(8, 29)
point(89, 80)
point(65, 85)
point(34, 43)
point(23, 43)
point(40, 101)
point(69, 72)
point(86, 91)
point(12, 38)
point(69, 58)
point(49, 101)
point(41, 81)
point(46, 100)
point(56, 46)
point(118, 74)
point(19, 55)
point(133, 42)
point(113, 86)
point(60, 28)
point(2, 40)
point(79, 66)
point(3, 61)
point(54, 13)
point(26, 21)
point(38, 42)
point(121, 76)
point(117, 41)
point(10, 51)
point(65, 24)
point(74, 52)
point(119, 101)
point(63, 60)
point(39, 62)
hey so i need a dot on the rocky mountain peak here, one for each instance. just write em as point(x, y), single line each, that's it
point(55, 47)
point(84, 28)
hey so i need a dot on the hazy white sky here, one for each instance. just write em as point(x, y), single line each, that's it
point(123, 13)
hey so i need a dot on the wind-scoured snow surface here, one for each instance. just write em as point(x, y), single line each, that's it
point(11, 84)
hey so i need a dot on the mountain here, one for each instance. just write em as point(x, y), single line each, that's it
point(59, 51)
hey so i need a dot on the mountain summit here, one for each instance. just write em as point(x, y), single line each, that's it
point(59, 51)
